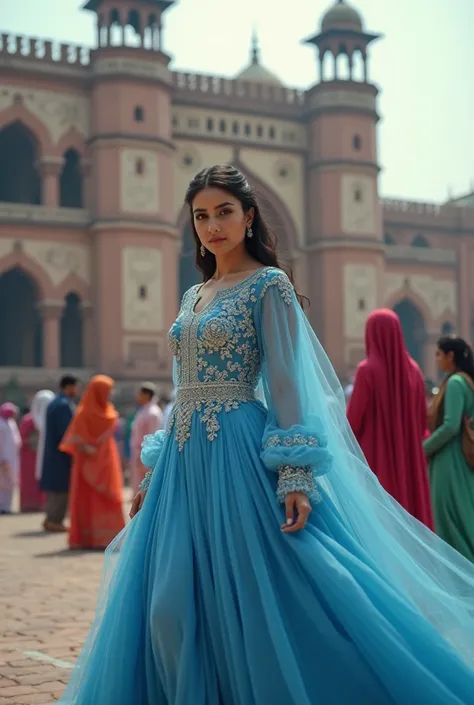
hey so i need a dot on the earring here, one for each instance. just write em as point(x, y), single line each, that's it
point(203, 251)
point(249, 232)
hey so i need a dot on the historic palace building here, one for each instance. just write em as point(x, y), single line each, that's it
point(97, 146)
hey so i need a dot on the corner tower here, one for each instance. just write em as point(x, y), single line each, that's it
point(346, 255)
point(134, 234)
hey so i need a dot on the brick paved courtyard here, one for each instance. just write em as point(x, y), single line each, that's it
point(47, 600)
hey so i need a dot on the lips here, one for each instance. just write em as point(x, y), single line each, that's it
point(217, 239)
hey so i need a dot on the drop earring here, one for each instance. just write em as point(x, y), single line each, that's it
point(203, 251)
point(249, 232)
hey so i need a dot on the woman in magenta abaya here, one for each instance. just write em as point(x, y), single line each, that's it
point(387, 412)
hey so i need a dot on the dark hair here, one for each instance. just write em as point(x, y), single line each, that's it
point(262, 246)
point(147, 390)
point(462, 353)
point(67, 381)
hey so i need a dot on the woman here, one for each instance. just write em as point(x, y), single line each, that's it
point(10, 444)
point(387, 413)
point(95, 499)
point(33, 430)
point(452, 479)
point(222, 597)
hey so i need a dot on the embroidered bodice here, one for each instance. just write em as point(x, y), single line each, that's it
point(216, 350)
point(250, 330)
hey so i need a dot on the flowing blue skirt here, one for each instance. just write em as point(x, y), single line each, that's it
point(211, 604)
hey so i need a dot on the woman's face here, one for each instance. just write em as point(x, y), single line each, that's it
point(445, 361)
point(220, 221)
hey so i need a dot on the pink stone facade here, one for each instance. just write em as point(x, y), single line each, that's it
point(96, 147)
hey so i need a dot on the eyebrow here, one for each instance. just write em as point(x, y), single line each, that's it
point(221, 205)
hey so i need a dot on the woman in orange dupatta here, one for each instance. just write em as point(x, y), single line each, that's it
point(96, 494)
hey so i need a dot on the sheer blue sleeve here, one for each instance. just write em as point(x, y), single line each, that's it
point(152, 446)
point(295, 443)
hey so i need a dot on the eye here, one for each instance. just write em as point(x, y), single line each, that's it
point(225, 211)
point(199, 216)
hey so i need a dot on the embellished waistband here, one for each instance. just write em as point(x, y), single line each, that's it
point(214, 391)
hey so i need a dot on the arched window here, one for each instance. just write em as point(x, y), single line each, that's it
point(259, 131)
point(414, 329)
point(72, 333)
point(388, 239)
point(357, 142)
point(210, 124)
point(70, 182)
point(19, 178)
point(21, 339)
point(222, 126)
point(139, 114)
point(420, 241)
point(248, 129)
point(271, 133)
point(235, 127)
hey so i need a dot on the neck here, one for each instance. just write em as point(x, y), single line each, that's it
point(232, 262)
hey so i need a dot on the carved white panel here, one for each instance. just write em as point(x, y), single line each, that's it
point(139, 181)
point(142, 289)
point(132, 67)
point(59, 112)
point(358, 205)
point(331, 99)
point(360, 297)
point(59, 260)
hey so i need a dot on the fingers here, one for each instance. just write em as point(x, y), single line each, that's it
point(304, 510)
point(290, 510)
point(136, 504)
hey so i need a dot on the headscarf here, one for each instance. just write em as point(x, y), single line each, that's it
point(95, 416)
point(39, 406)
point(9, 411)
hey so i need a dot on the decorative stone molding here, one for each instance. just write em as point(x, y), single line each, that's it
point(43, 215)
point(138, 68)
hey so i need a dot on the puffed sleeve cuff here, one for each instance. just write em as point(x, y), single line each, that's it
point(297, 446)
point(152, 446)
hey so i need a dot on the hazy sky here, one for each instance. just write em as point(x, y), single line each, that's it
point(424, 67)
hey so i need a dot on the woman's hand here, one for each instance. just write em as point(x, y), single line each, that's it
point(137, 503)
point(296, 502)
point(88, 449)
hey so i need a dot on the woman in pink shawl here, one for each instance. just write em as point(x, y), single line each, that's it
point(10, 444)
point(33, 431)
point(388, 414)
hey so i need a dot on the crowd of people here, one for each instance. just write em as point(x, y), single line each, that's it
point(72, 459)
point(69, 458)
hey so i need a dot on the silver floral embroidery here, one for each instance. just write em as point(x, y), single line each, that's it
point(289, 441)
point(295, 479)
point(216, 350)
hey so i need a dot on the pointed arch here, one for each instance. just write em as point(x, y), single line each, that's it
point(19, 259)
point(72, 140)
point(20, 181)
point(18, 112)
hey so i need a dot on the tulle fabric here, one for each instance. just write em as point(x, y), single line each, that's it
point(204, 600)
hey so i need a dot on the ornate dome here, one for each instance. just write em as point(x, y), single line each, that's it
point(342, 16)
point(255, 71)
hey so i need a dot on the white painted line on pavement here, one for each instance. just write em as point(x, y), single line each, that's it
point(38, 656)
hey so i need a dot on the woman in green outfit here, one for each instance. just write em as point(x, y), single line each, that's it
point(451, 477)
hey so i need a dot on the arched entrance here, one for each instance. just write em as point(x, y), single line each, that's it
point(19, 178)
point(21, 338)
point(188, 273)
point(414, 329)
point(72, 332)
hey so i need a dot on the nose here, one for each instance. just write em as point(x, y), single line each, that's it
point(212, 226)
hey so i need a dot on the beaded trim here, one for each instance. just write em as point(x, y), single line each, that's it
point(289, 441)
point(294, 479)
point(145, 483)
point(214, 397)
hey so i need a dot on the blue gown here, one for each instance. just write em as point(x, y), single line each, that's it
point(205, 601)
